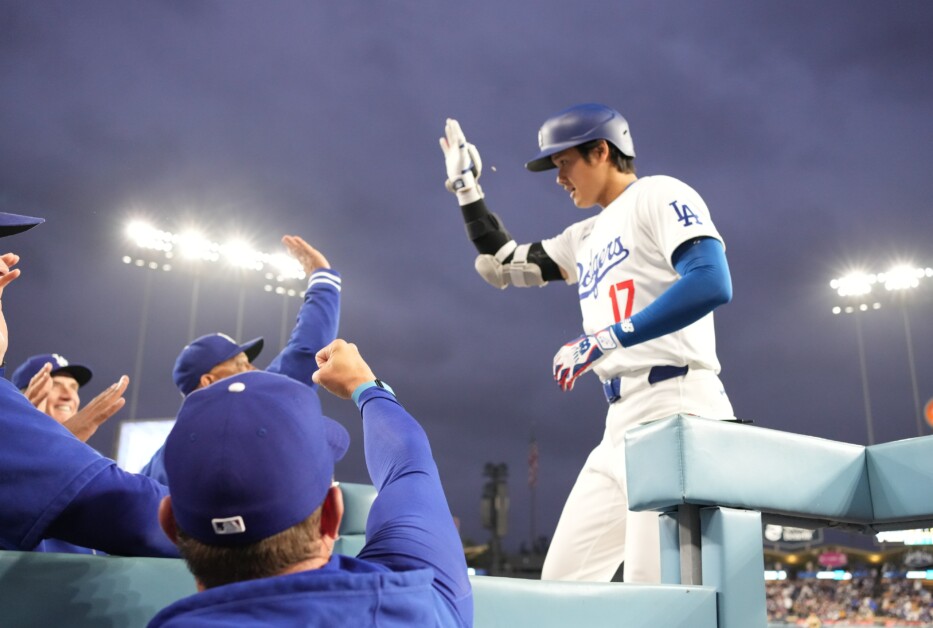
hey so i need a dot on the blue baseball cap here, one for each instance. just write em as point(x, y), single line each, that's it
point(11, 224)
point(249, 456)
point(28, 369)
point(205, 353)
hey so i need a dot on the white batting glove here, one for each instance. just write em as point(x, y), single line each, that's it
point(463, 162)
point(580, 354)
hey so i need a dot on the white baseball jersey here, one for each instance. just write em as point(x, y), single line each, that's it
point(621, 259)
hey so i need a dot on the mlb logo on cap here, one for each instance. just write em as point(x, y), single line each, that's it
point(230, 525)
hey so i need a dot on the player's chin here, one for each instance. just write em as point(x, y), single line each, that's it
point(581, 202)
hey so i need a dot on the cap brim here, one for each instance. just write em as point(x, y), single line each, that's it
point(337, 436)
point(11, 224)
point(81, 374)
point(542, 161)
point(252, 348)
point(540, 165)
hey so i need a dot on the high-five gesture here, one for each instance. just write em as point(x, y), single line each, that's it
point(463, 162)
point(309, 257)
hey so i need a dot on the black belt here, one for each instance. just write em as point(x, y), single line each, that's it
point(655, 375)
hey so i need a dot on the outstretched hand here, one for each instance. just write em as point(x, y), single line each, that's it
point(463, 163)
point(309, 257)
point(86, 421)
point(341, 368)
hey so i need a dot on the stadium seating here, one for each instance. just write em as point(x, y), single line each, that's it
point(712, 482)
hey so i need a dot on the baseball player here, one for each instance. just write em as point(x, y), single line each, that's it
point(650, 267)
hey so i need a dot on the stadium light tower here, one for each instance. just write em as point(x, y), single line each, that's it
point(901, 281)
point(152, 248)
point(862, 292)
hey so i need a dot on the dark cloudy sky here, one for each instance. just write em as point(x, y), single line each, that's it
point(806, 126)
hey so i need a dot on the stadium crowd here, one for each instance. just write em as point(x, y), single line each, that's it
point(859, 601)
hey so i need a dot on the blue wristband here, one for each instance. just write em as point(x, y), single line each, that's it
point(366, 386)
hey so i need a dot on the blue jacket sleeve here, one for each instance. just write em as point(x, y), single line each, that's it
point(116, 512)
point(704, 284)
point(410, 525)
point(53, 485)
point(317, 324)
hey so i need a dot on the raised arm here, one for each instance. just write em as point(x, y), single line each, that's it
point(409, 524)
point(501, 261)
point(318, 318)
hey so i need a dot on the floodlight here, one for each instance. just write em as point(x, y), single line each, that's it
point(902, 278)
point(854, 284)
point(146, 236)
point(899, 280)
point(193, 245)
point(287, 267)
point(242, 255)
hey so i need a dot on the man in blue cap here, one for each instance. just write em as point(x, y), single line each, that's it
point(255, 511)
point(217, 356)
point(52, 484)
point(52, 384)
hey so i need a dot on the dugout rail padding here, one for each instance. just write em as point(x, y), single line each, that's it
point(713, 484)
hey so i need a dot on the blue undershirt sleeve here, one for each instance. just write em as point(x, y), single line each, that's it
point(410, 524)
point(704, 284)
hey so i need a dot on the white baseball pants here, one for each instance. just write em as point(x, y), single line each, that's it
point(596, 531)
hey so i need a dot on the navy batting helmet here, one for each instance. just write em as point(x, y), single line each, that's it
point(577, 125)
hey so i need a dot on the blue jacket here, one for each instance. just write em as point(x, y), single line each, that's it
point(411, 572)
